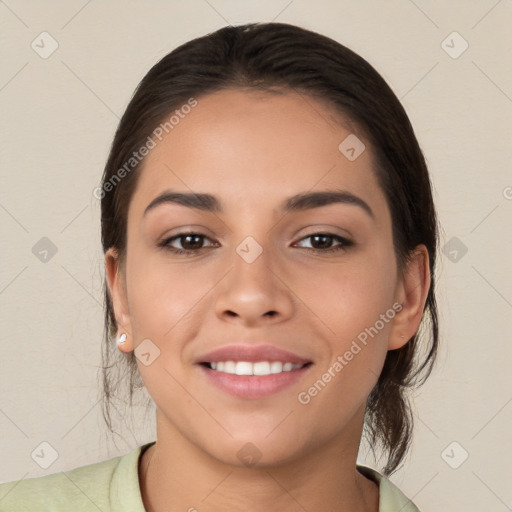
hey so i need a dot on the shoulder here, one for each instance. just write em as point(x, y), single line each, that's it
point(77, 489)
point(391, 498)
point(87, 488)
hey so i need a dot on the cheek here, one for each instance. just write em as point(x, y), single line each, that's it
point(351, 296)
point(162, 295)
point(356, 312)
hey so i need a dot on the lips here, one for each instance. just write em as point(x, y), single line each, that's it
point(252, 354)
point(253, 372)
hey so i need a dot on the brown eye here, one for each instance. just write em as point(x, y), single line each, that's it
point(189, 242)
point(323, 242)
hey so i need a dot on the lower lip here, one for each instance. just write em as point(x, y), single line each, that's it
point(253, 386)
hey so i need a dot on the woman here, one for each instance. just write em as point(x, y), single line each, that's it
point(270, 241)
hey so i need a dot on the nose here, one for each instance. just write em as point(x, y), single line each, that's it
point(254, 292)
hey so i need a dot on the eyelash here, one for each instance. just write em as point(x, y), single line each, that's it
point(345, 243)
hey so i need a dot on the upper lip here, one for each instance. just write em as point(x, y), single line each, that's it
point(251, 353)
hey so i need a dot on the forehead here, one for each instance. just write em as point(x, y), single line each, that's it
point(258, 146)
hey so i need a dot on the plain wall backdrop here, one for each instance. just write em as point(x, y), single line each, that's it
point(448, 62)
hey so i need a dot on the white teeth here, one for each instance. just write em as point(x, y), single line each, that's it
point(241, 368)
point(258, 368)
point(276, 367)
point(230, 367)
point(261, 368)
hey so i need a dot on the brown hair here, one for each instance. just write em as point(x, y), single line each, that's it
point(286, 57)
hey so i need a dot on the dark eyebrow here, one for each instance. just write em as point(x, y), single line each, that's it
point(205, 202)
point(317, 199)
point(299, 202)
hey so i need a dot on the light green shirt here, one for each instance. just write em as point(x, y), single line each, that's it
point(113, 486)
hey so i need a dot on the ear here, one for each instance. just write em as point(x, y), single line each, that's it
point(117, 288)
point(411, 293)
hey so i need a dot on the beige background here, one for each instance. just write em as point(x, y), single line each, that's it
point(58, 118)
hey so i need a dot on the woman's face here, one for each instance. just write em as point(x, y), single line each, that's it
point(261, 282)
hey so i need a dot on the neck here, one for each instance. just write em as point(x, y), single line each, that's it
point(177, 476)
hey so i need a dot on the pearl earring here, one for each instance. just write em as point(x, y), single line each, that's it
point(121, 339)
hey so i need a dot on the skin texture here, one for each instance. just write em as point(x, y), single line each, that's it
point(253, 150)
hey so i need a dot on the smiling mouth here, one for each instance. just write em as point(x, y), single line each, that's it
point(259, 368)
